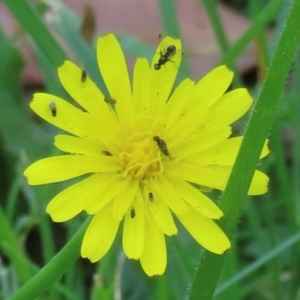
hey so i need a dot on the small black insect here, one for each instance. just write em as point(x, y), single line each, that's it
point(162, 145)
point(110, 100)
point(107, 153)
point(53, 108)
point(151, 197)
point(165, 57)
point(132, 213)
point(83, 76)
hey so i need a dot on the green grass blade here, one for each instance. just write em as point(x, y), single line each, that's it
point(257, 130)
point(168, 14)
point(296, 152)
point(255, 7)
point(7, 237)
point(257, 264)
point(37, 30)
point(53, 271)
point(254, 29)
point(219, 32)
point(67, 26)
point(218, 28)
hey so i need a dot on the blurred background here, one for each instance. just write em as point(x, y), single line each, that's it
point(264, 261)
point(142, 21)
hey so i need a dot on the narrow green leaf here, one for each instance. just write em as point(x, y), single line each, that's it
point(218, 28)
point(53, 271)
point(256, 133)
point(254, 29)
point(7, 237)
point(37, 30)
point(257, 264)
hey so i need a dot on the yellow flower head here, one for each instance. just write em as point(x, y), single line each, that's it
point(145, 150)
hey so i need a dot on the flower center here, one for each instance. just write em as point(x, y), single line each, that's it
point(141, 159)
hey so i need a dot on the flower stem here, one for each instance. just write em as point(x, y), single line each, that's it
point(260, 122)
point(52, 272)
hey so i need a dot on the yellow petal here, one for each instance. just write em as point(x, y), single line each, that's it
point(176, 104)
point(85, 93)
point(154, 256)
point(75, 145)
point(209, 137)
point(141, 85)
point(134, 229)
point(205, 176)
point(212, 86)
point(103, 192)
point(224, 153)
point(189, 122)
point(231, 106)
point(259, 184)
point(216, 176)
point(113, 69)
point(71, 201)
point(162, 215)
point(60, 168)
point(100, 235)
point(148, 110)
point(126, 193)
point(161, 81)
point(205, 231)
point(197, 199)
point(170, 196)
point(67, 117)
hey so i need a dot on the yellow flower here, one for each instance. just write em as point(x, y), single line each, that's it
point(145, 150)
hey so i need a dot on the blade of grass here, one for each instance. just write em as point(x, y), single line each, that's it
point(257, 264)
point(255, 7)
point(37, 30)
point(168, 14)
point(243, 170)
point(7, 236)
point(211, 7)
point(30, 266)
point(233, 292)
point(67, 24)
point(274, 267)
point(12, 197)
point(53, 271)
point(215, 21)
point(295, 181)
point(254, 29)
point(296, 152)
point(282, 173)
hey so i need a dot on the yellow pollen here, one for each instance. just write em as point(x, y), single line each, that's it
point(141, 159)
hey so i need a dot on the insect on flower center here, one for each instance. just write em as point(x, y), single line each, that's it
point(141, 159)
